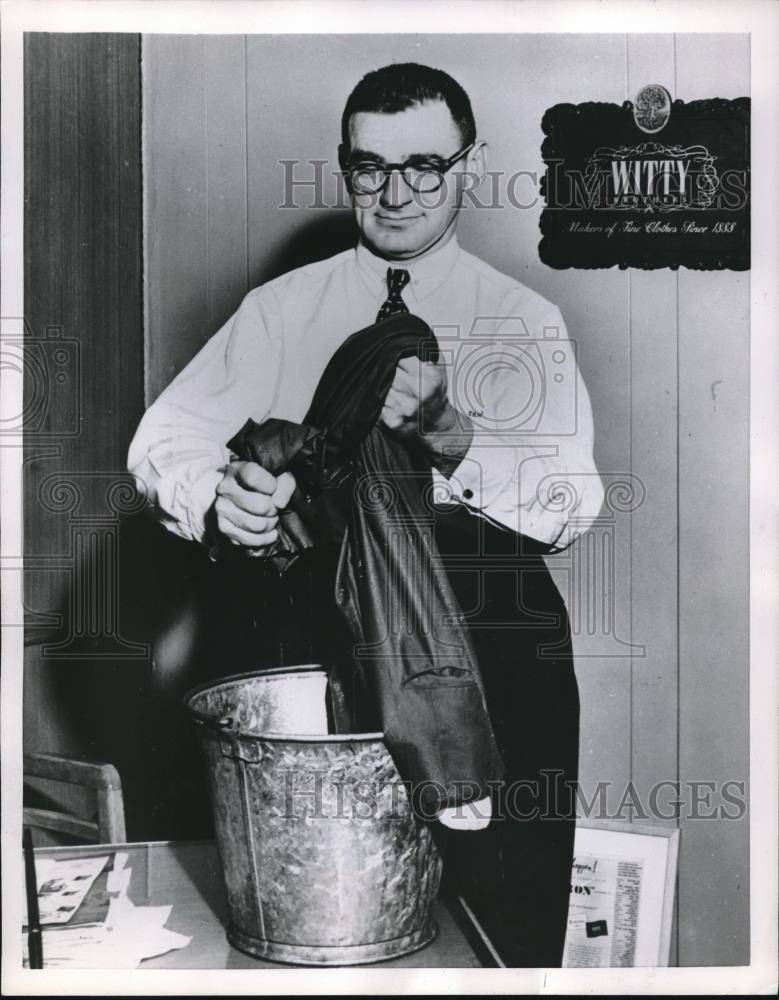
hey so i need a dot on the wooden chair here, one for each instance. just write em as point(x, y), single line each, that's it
point(103, 779)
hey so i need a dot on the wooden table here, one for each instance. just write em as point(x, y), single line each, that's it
point(188, 875)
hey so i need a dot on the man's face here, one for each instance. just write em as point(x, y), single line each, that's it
point(396, 222)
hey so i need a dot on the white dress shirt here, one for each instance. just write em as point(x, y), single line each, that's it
point(509, 363)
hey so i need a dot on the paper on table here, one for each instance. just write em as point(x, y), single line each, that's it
point(118, 881)
point(62, 886)
point(127, 936)
point(145, 928)
point(97, 949)
point(131, 934)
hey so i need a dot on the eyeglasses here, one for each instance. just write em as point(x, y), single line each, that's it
point(423, 176)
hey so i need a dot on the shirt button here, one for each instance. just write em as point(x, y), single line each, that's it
point(468, 494)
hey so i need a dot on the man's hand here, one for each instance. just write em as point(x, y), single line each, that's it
point(471, 816)
point(417, 400)
point(248, 499)
point(418, 410)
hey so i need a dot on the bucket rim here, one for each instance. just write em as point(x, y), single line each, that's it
point(213, 722)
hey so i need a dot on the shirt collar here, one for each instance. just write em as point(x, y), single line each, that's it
point(427, 273)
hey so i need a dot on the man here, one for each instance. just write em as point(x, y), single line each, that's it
point(503, 420)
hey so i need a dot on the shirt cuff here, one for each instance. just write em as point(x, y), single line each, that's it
point(201, 495)
point(485, 471)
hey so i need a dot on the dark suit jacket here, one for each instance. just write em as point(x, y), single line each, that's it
point(359, 485)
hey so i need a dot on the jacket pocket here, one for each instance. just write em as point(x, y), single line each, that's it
point(445, 676)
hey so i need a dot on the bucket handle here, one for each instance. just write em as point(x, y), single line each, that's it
point(232, 745)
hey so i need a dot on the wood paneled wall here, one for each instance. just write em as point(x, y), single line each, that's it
point(83, 285)
point(664, 674)
point(86, 665)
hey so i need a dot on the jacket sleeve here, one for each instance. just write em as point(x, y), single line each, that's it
point(179, 451)
point(417, 659)
point(530, 467)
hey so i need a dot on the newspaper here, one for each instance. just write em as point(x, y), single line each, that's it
point(604, 911)
point(63, 885)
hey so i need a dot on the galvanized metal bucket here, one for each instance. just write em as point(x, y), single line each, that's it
point(324, 861)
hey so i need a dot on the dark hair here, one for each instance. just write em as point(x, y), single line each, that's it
point(404, 85)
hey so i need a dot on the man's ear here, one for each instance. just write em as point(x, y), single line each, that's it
point(478, 161)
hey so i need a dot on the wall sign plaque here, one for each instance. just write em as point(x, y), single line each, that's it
point(655, 183)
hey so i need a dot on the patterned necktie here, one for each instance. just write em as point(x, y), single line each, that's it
point(397, 279)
